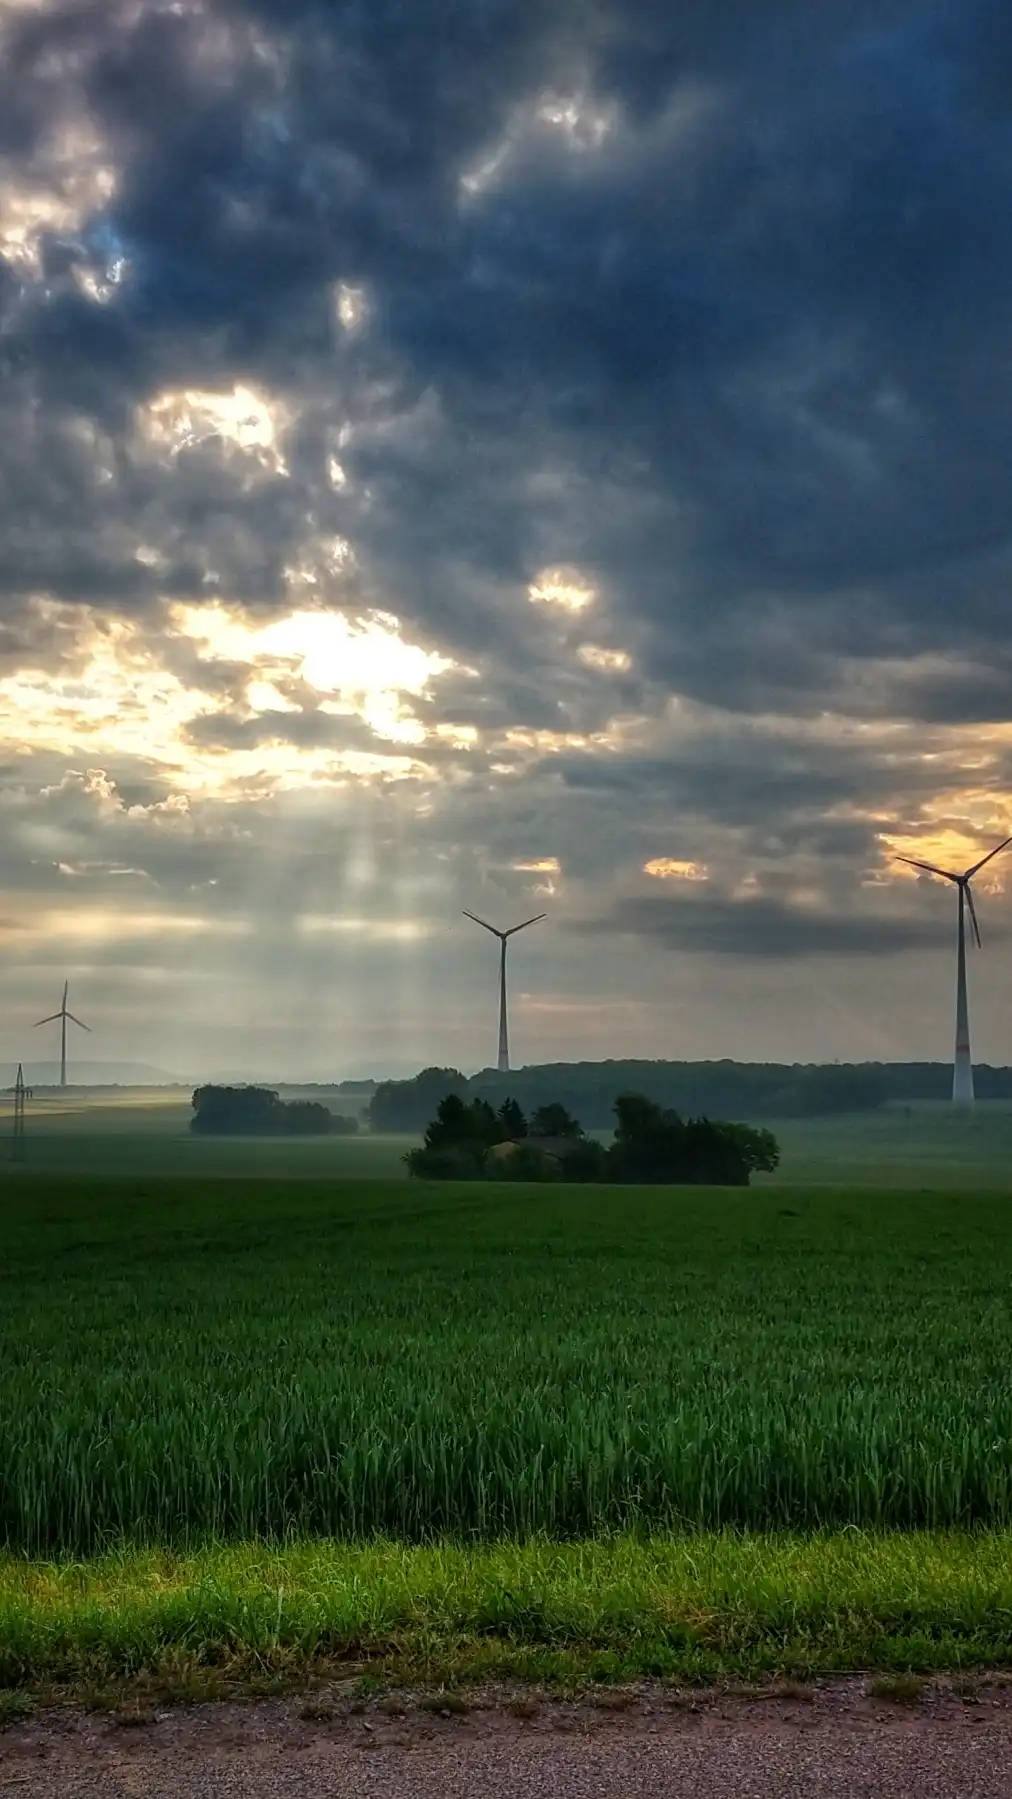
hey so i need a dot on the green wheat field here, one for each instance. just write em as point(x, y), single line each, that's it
point(277, 1424)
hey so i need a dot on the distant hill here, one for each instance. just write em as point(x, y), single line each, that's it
point(235, 1077)
point(90, 1074)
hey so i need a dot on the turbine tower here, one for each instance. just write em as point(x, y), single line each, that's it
point(63, 1016)
point(504, 937)
point(962, 1066)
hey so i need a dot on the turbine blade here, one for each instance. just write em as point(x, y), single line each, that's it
point(73, 1020)
point(929, 868)
point(53, 1016)
point(522, 927)
point(485, 927)
point(66, 986)
point(968, 890)
point(987, 858)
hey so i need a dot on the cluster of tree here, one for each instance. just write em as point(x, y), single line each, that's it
point(701, 1089)
point(258, 1112)
point(408, 1105)
point(468, 1140)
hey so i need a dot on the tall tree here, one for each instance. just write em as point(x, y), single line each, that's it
point(512, 1119)
point(553, 1120)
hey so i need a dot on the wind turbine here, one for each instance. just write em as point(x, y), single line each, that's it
point(504, 937)
point(962, 1066)
point(63, 1015)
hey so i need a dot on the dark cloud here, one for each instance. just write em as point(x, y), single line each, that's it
point(718, 318)
point(751, 343)
point(771, 782)
point(713, 924)
point(306, 729)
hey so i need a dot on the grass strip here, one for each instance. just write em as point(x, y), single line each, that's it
point(694, 1608)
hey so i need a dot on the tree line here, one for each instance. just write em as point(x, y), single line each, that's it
point(468, 1140)
point(711, 1089)
point(259, 1112)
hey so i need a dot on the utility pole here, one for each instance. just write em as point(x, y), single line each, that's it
point(21, 1093)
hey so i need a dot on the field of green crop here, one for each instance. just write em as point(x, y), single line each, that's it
point(248, 1425)
point(183, 1363)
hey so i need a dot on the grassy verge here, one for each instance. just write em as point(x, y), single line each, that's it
point(694, 1608)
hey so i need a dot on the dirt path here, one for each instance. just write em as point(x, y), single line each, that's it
point(836, 1742)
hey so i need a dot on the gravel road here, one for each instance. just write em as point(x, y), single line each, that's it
point(836, 1742)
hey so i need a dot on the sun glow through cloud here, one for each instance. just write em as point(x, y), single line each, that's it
point(607, 662)
point(548, 867)
point(351, 306)
point(953, 849)
point(241, 417)
point(75, 179)
point(563, 587)
point(363, 668)
point(669, 868)
point(116, 698)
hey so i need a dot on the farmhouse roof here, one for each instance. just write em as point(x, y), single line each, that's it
point(556, 1147)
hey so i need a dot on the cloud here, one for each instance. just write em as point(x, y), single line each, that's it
point(453, 451)
point(670, 868)
point(767, 927)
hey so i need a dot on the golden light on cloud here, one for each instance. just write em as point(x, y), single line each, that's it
point(563, 587)
point(461, 737)
point(266, 696)
point(607, 662)
point(364, 668)
point(319, 570)
point(116, 699)
point(621, 731)
point(670, 868)
point(547, 868)
point(547, 743)
point(92, 924)
point(115, 696)
point(949, 848)
point(240, 416)
point(75, 180)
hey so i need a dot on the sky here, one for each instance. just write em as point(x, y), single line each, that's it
point(548, 456)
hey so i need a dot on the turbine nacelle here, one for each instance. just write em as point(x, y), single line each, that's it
point(502, 935)
point(962, 881)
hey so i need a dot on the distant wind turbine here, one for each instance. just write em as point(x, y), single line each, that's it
point(962, 1066)
point(63, 1016)
point(503, 936)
